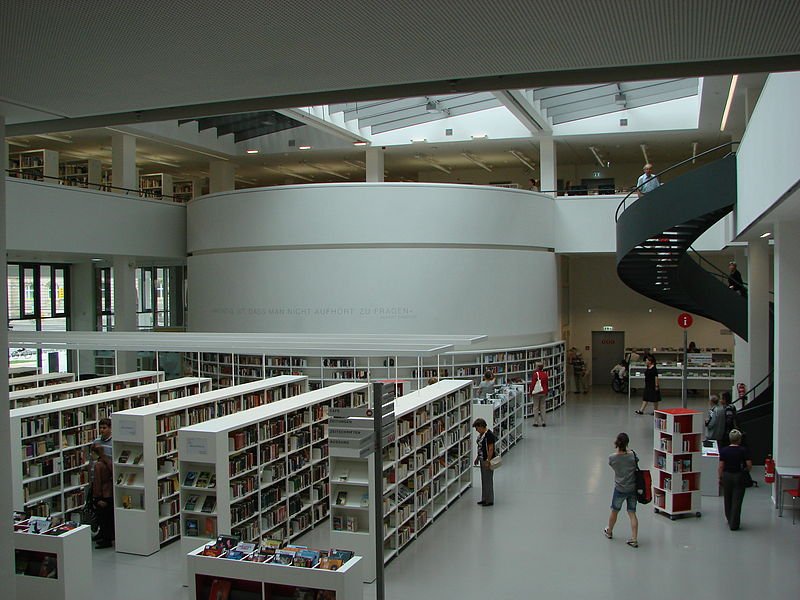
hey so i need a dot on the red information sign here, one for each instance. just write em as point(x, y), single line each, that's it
point(685, 320)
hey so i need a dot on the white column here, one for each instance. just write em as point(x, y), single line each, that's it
point(759, 285)
point(7, 578)
point(374, 165)
point(547, 163)
point(123, 162)
point(125, 306)
point(786, 441)
point(84, 315)
point(221, 175)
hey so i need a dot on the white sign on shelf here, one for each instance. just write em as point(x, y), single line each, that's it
point(196, 447)
point(126, 430)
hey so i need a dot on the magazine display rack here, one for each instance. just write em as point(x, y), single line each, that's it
point(267, 581)
point(147, 490)
point(677, 449)
point(41, 380)
point(426, 467)
point(261, 473)
point(54, 567)
point(65, 391)
point(50, 444)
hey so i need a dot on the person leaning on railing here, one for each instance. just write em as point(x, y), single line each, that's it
point(647, 181)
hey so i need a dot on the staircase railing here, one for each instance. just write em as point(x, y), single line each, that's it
point(753, 391)
point(715, 270)
point(623, 204)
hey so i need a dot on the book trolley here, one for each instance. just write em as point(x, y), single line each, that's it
point(261, 473)
point(147, 490)
point(49, 444)
point(65, 391)
point(267, 581)
point(54, 565)
point(426, 467)
point(676, 457)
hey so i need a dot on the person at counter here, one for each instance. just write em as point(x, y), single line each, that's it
point(715, 421)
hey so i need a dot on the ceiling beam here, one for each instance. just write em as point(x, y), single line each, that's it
point(323, 124)
point(527, 114)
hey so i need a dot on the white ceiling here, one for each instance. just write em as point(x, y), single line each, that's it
point(190, 58)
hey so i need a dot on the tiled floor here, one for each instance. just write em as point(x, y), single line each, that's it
point(543, 538)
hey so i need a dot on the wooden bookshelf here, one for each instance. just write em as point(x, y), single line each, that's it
point(65, 391)
point(41, 380)
point(270, 465)
point(677, 448)
point(426, 467)
point(33, 164)
point(81, 173)
point(147, 509)
point(49, 444)
point(155, 185)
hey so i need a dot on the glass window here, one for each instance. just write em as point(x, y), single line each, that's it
point(46, 290)
point(29, 286)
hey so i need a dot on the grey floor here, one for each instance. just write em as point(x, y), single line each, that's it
point(544, 535)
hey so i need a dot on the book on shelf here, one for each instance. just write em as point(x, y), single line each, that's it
point(130, 479)
point(62, 529)
point(341, 498)
point(343, 474)
point(191, 502)
point(330, 564)
point(209, 504)
point(209, 527)
point(190, 478)
point(220, 590)
point(284, 557)
point(365, 500)
point(192, 528)
point(212, 482)
point(343, 555)
point(38, 524)
point(138, 458)
point(124, 456)
point(306, 558)
point(203, 479)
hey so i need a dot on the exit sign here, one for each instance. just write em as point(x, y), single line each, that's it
point(608, 328)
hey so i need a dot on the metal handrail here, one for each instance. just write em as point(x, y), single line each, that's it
point(99, 186)
point(719, 272)
point(622, 204)
point(753, 389)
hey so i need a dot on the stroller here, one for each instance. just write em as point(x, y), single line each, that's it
point(619, 381)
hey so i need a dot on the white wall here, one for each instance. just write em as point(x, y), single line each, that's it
point(48, 218)
point(378, 258)
point(767, 158)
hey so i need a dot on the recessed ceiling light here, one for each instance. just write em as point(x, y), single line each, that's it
point(418, 140)
point(251, 151)
point(480, 136)
point(360, 143)
point(304, 147)
point(97, 259)
point(764, 235)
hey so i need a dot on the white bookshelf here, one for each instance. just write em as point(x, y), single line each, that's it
point(40, 380)
point(155, 185)
point(33, 164)
point(301, 582)
point(270, 465)
point(82, 173)
point(72, 553)
point(20, 371)
point(677, 451)
point(147, 438)
point(185, 190)
point(49, 444)
point(426, 467)
point(504, 414)
point(65, 391)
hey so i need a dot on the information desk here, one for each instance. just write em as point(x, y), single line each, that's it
point(264, 581)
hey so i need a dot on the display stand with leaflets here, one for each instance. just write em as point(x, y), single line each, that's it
point(677, 445)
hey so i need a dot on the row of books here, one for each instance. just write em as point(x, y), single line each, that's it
point(274, 552)
point(202, 479)
point(42, 525)
point(125, 457)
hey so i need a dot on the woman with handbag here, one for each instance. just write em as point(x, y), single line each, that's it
point(623, 461)
point(486, 442)
point(734, 473)
point(538, 390)
point(652, 390)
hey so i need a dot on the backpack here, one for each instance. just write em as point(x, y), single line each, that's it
point(644, 483)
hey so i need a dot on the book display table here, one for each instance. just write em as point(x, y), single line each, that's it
point(676, 458)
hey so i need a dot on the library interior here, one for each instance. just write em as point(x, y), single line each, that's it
point(504, 267)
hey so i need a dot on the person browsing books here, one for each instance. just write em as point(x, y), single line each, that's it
point(538, 390)
point(486, 449)
point(487, 385)
point(623, 462)
point(103, 495)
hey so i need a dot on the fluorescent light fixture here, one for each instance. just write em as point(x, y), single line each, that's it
point(328, 171)
point(251, 151)
point(160, 162)
point(304, 147)
point(360, 143)
point(644, 153)
point(11, 142)
point(55, 138)
point(597, 157)
point(355, 165)
point(97, 260)
point(766, 235)
point(474, 160)
point(433, 163)
point(523, 159)
point(418, 140)
point(479, 136)
point(727, 110)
